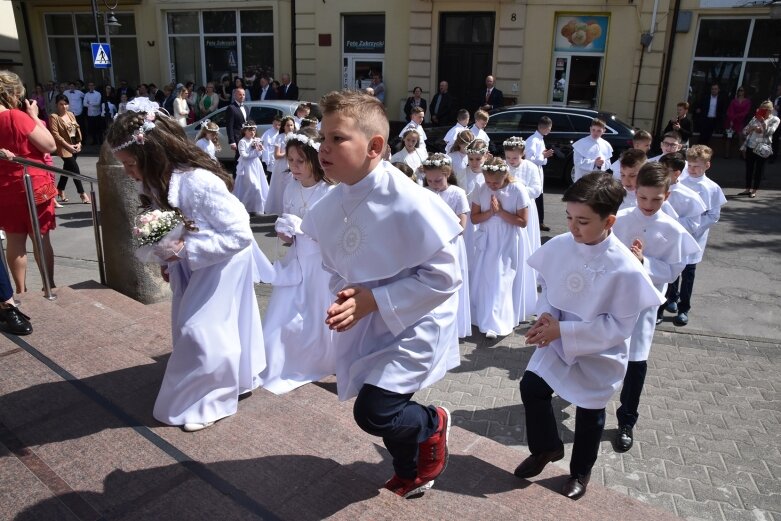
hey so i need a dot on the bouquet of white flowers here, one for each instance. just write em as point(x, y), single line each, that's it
point(155, 233)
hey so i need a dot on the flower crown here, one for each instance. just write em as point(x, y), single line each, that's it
point(247, 125)
point(311, 121)
point(209, 125)
point(495, 168)
point(514, 142)
point(301, 138)
point(150, 109)
point(443, 161)
point(482, 150)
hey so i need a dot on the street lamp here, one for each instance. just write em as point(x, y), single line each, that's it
point(109, 19)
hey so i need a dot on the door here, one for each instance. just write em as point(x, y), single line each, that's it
point(358, 70)
point(466, 45)
point(583, 82)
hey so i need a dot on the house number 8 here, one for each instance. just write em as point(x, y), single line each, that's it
point(513, 17)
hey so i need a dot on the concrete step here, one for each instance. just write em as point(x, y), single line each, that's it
point(89, 448)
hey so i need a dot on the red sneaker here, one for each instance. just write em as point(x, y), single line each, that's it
point(432, 453)
point(407, 487)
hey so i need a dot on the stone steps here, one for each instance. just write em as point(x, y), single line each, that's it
point(90, 449)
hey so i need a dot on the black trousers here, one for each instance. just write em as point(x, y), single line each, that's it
point(755, 168)
point(684, 295)
point(542, 432)
point(627, 413)
point(402, 424)
point(6, 291)
point(540, 202)
point(707, 125)
point(70, 164)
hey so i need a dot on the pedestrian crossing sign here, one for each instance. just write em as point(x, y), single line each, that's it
point(101, 55)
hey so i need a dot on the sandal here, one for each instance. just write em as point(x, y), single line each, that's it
point(745, 192)
point(752, 195)
point(62, 197)
point(85, 198)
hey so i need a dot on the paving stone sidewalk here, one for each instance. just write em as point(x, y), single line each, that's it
point(707, 442)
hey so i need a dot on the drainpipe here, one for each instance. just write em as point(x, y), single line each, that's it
point(26, 24)
point(293, 56)
point(665, 79)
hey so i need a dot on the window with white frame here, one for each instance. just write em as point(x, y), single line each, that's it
point(69, 36)
point(736, 52)
point(208, 46)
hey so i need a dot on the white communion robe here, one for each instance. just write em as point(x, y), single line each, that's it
point(472, 181)
point(586, 151)
point(299, 344)
point(421, 134)
point(250, 186)
point(412, 159)
point(503, 291)
point(460, 165)
point(452, 134)
point(529, 175)
point(280, 177)
point(399, 240)
point(207, 145)
point(688, 205)
point(596, 292)
point(215, 322)
point(666, 246)
point(455, 198)
point(714, 199)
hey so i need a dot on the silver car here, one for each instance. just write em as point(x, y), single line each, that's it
point(261, 112)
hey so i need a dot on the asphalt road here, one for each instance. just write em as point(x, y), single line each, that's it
point(737, 288)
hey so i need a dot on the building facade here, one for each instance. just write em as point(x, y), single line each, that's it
point(636, 58)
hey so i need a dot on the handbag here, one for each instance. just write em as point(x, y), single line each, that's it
point(763, 150)
point(44, 193)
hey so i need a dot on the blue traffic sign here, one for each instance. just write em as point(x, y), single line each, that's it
point(101, 55)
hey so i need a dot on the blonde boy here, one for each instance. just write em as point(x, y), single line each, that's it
point(478, 129)
point(698, 158)
point(395, 308)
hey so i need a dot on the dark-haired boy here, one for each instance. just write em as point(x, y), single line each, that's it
point(593, 290)
point(539, 155)
point(662, 246)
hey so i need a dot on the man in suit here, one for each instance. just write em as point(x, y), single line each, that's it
point(493, 97)
point(235, 117)
point(266, 90)
point(442, 106)
point(710, 112)
point(288, 89)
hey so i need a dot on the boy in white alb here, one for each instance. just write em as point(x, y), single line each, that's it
point(689, 207)
point(462, 120)
point(591, 152)
point(478, 129)
point(698, 158)
point(593, 290)
point(538, 154)
point(641, 141)
point(416, 124)
point(662, 246)
point(395, 309)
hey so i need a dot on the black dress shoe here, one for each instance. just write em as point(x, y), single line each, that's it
point(15, 321)
point(575, 486)
point(544, 228)
point(534, 464)
point(624, 438)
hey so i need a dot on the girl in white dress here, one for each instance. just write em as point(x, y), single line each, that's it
point(528, 174)
point(217, 336)
point(280, 174)
point(476, 152)
point(269, 142)
point(441, 180)
point(251, 185)
point(299, 344)
point(207, 139)
point(458, 155)
point(410, 154)
point(500, 209)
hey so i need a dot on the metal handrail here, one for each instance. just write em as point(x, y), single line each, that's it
point(38, 238)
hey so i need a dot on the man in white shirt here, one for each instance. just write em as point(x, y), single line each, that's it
point(538, 154)
point(92, 101)
point(76, 104)
point(710, 112)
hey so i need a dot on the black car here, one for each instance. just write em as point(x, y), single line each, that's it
point(569, 125)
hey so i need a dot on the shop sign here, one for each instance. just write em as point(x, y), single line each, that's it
point(581, 33)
